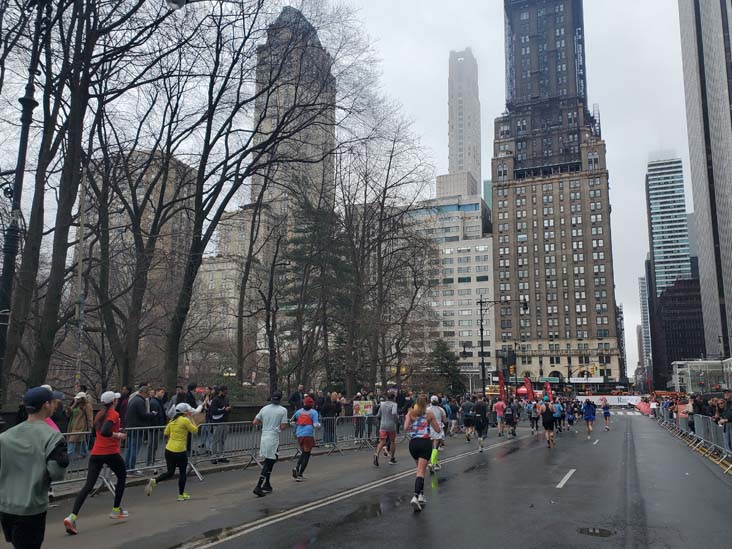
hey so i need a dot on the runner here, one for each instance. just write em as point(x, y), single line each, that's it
point(570, 417)
point(510, 418)
point(438, 437)
point(273, 419)
point(31, 455)
point(480, 411)
point(468, 417)
point(499, 408)
point(418, 425)
point(558, 414)
point(533, 413)
point(588, 412)
point(305, 421)
point(453, 417)
point(176, 455)
point(387, 428)
point(547, 419)
point(105, 452)
point(606, 413)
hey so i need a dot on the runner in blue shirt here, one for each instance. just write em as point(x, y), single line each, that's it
point(588, 413)
point(305, 421)
point(606, 414)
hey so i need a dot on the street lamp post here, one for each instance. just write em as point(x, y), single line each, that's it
point(12, 233)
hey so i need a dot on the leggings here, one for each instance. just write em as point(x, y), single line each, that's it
point(175, 460)
point(535, 423)
point(116, 464)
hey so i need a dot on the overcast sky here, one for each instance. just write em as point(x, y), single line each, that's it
point(634, 73)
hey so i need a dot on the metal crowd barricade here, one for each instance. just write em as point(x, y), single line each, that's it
point(144, 448)
point(707, 437)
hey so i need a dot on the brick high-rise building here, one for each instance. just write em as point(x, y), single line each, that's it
point(551, 206)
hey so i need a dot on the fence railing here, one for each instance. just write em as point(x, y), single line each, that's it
point(144, 448)
point(701, 433)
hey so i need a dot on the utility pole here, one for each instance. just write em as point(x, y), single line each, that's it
point(12, 233)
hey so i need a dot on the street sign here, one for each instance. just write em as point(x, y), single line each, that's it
point(549, 379)
point(587, 380)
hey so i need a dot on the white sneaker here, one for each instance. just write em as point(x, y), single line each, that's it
point(151, 484)
point(422, 500)
point(415, 504)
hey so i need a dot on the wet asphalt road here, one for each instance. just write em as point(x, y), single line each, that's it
point(634, 486)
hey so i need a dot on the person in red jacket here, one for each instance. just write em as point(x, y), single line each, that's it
point(105, 452)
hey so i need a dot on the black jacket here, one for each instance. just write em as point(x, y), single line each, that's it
point(137, 414)
point(296, 399)
point(157, 406)
point(217, 410)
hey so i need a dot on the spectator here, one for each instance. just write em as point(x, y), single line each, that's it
point(191, 396)
point(31, 456)
point(138, 417)
point(81, 416)
point(330, 411)
point(178, 397)
point(297, 397)
point(122, 406)
point(156, 409)
point(219, 412)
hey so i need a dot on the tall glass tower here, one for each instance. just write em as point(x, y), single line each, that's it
point(668, 230)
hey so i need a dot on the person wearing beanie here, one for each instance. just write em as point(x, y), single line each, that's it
point(306, 421)
point(176, 455)
point(273, 419)
point(32, 454)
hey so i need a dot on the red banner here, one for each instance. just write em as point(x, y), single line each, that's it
point(548, 390)
point(502, 386)
point(529, 388)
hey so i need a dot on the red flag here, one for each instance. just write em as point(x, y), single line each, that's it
point(548, 389)
point(529, 388)
point(502, 386)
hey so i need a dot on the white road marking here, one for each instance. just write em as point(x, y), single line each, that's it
point(253, 526)
point(598, 440)
point(566, 478)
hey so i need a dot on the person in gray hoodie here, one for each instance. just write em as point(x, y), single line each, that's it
point(32, 455)
point(138, 415)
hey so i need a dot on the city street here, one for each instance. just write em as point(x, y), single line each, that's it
point(635, 486)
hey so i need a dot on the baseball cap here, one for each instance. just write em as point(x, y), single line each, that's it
point(57, 395)
point(277, 397)
point(183, 408)
point(309, 400)
point(434, 399)
point(37, 396)
point(109, 396)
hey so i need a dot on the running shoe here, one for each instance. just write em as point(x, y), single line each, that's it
point(300, 478)
point(118, 514)
point(150, 486)
point(416, 505)
point(259, 492)
point(422, 500)
point(376, 460)
point(437, 467)
point(392, 461)
point(267, 488)
point(588, 437)
point(70, 525)
point(431, 467)
point(386, 453)
point(295, 474)
point(184, 497)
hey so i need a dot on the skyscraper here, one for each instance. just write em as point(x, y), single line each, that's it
point(668, 231)
point(296, 97)
point(706, 49)
point(645, 327)
point(551, 205)
point(464, 114)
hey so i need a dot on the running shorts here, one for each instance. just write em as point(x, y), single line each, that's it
point(305, 444)
point(480, 427)
point(420, 448)
point(468, 421)
point(548, 425)
point(391, 435)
